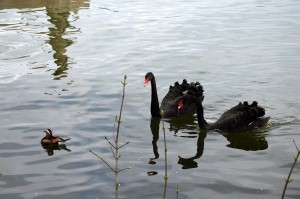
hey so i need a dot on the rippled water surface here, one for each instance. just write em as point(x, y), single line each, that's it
point(61, 64)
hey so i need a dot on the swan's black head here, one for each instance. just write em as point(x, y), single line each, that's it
point(148, 77)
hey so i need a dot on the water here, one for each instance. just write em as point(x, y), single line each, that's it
point(61, 67)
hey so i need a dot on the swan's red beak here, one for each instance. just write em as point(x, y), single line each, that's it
point(146, 82)
point(180, 104)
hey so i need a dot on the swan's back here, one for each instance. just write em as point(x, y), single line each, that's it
point(242, 117)
point(170, 102)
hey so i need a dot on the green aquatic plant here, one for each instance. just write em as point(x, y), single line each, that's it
point(116, 146)
point(288, 179)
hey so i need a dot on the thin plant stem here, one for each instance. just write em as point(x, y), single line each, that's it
point(166, 160)
point(124, 169)
point(177, 191)
point(116, 146)
point(110, 143)
point(112, 151)
point(288, 180)
point(103, 160)
point(124, 145)
point(118, 119)
point(121, 109)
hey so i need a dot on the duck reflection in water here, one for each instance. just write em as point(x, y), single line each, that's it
point(50, 149)
point(187, 124)
point(51, 143)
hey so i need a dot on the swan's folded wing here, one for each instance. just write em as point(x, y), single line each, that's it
point(170, 102)
point(178, 90)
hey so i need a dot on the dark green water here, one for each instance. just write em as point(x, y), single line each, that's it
point(61, 65)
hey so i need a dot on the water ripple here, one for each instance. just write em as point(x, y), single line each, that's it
point(61, 67)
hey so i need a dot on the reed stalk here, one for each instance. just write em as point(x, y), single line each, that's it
point(177, 191)
point(116, 146)
point(288, 179)
point(166, 160)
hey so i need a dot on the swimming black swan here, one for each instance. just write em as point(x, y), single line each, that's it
point(242, 117)
point(170, 102)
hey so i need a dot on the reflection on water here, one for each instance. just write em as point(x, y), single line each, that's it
point(50, 149)
point(236, 49)
point(154, 126)
point(176, 124)
point(73, 5)
point(59, 18)
point(60, 14)
point(189, 163)
point(12, 4)
point(184, 124)
point(247, 141)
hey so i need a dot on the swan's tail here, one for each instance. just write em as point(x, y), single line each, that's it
point(254, 114)
point(243, 117)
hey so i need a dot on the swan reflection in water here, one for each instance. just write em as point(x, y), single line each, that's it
point(50, 149)
point(187, 124)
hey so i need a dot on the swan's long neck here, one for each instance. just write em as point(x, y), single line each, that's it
point(201, 120)
point(154, 100)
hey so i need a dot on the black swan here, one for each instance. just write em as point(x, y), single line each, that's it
point(51, 140)
point(169, 103)
point(242, 117)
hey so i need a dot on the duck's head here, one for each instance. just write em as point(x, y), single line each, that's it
point(48, 132)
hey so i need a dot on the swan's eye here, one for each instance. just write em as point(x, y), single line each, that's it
point(180, 104)
point(146, 81)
